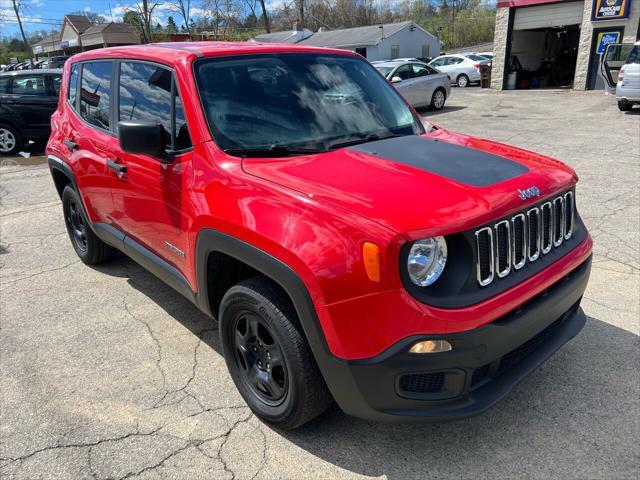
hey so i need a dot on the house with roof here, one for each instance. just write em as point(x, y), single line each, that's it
point(78, 33)
point(374, 42)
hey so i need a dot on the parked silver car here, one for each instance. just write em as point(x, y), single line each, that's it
point(462, 69)
point(620, 69)
point(420, 84)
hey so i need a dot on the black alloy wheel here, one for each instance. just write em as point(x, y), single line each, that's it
point(78, 226)
point(260, 359)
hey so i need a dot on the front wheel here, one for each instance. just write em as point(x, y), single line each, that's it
point(268, 357)
point(462, 81)
point(438, 99)
point(624, 106)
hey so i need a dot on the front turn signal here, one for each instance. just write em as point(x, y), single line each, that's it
point(371, 258)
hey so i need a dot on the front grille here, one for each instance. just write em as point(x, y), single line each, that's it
point(524, 237)
point(422, 382)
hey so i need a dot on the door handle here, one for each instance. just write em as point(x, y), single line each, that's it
point(120, 169)
point(70, 145)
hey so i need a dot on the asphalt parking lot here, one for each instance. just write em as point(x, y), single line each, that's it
point(107, 373)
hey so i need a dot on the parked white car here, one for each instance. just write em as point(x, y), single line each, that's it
point(461, 69)
point(620, 69)
point(420, 84)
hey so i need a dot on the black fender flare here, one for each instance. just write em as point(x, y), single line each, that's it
point(335, 371)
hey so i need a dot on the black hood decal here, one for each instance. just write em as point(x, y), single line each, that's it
point(462, 164)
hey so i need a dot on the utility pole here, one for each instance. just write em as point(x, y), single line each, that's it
point(16, 8)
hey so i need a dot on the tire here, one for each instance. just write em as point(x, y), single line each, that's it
point(438, 99)
point(625, 106)
point(268, 357)
point(462, 81)
point(87, 245)
point(10, 140)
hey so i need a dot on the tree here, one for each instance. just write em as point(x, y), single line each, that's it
point(17, 6)
point(132, 17)
point(171, 25)
point(183, 7)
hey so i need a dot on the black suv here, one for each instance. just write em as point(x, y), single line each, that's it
point(28, 98)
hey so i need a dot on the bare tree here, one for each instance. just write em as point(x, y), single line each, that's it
point(183, 7)
point(17, 6)
point(265, 16)
point(146, 9)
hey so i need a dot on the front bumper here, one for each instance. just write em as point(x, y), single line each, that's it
point(483, 366)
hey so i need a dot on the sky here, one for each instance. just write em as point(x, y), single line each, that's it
point(48, 14)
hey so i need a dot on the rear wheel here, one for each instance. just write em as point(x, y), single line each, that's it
point(10, 140)
point(462, 81)
point(87, 245)
point(438, 99)
point(268, 357)
point(624, 106)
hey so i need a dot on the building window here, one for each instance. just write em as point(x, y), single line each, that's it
point(395, 51)
point(94, 93)
point(425, 51)
point(362, 51)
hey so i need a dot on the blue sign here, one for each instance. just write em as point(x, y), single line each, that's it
point(610, 10)
point(605, 38)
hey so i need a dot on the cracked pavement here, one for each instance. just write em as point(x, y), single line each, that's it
point(106, 373)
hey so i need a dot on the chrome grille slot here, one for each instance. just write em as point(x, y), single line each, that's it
point(519, 245)
point(546, 227)
point(558, 221)
point(533, 221)
point(527, 235)
point(484, 248)
point(569, 208)
point(503, 248)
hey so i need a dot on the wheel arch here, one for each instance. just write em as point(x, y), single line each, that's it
point(213, 246)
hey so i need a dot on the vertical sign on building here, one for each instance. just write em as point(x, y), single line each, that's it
point(610, 10)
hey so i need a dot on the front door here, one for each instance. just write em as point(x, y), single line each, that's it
point(602, 37)
point(32, 98)
point(149, 200)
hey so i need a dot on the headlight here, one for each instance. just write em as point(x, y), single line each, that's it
point(426, 261)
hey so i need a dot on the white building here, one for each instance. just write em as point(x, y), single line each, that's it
point(374, 42)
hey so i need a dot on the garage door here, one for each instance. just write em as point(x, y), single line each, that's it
point(549, 15)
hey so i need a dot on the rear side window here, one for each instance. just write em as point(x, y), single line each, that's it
point(634, 55)
point(73, 84)
point(29, 85)
point(94, 93)
point(148, 93)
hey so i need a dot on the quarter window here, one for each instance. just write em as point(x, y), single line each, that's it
point(4, 85)
point(73, 84)
point(94, 93)
point(148, 93)
point(29, 85)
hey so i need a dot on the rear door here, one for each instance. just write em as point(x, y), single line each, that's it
point(614, 57)
point(32, 99)
point(89, 138)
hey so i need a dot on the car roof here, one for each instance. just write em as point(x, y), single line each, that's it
point(14, 73)
point(174, 52)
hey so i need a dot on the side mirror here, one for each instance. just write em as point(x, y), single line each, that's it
point(396, 79)
point(147, 138)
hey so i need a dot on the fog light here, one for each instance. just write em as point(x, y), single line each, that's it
point(431, 346)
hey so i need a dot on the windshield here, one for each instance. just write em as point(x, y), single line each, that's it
point(298, 101)
point(634, 55)
point(384, 70)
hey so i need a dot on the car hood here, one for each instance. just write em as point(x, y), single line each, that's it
point(419, 186)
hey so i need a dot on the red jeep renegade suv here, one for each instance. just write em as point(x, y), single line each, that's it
point(349, 250)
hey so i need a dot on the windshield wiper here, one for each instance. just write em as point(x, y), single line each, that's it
point(275, 150)
point(364, 139)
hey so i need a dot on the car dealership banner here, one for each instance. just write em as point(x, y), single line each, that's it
point(610, 9)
